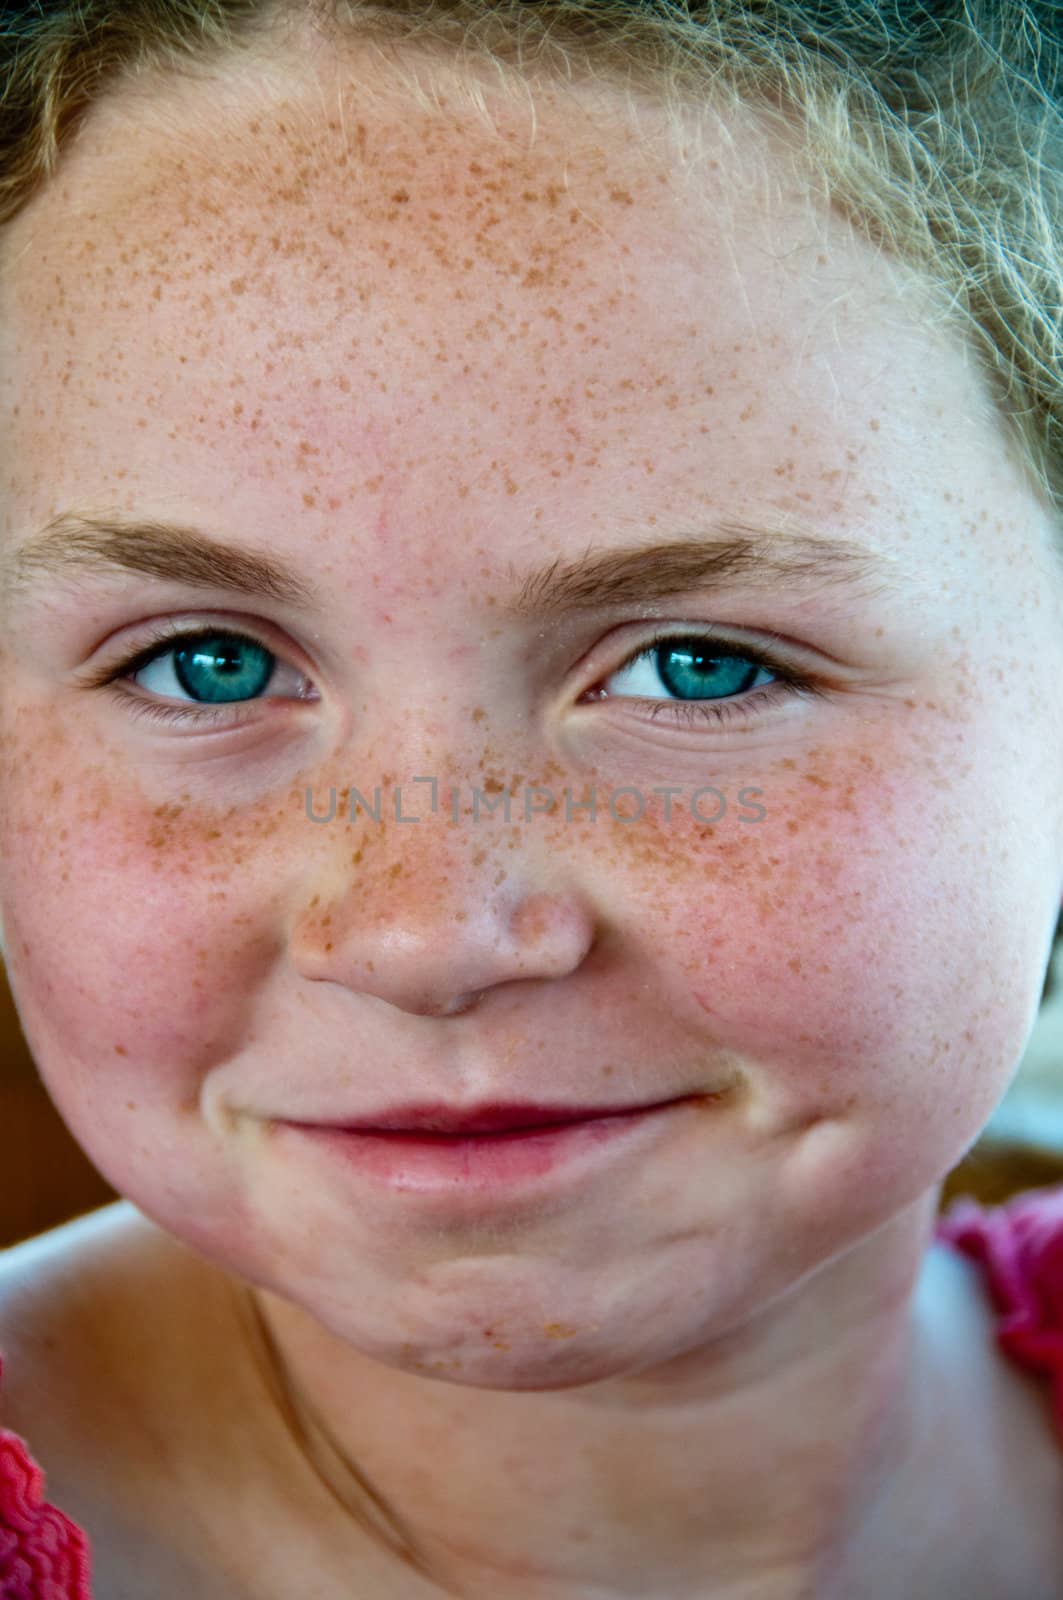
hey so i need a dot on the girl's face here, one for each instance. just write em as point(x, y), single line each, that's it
point(416, 366)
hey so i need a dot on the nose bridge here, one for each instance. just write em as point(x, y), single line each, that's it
point(433, 860)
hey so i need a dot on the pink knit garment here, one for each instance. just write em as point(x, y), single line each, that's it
point(1019, 1247)
point(43, 1555)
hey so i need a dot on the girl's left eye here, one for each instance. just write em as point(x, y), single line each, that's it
point(218, 669)
point(702, 672)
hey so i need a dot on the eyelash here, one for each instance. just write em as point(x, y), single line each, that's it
point(688, 713)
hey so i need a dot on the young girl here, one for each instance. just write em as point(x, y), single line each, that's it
point(532, 795)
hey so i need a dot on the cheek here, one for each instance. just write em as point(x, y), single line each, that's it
point(131, 939)
point(850, 948)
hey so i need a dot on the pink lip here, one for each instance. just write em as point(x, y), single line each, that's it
point(436, 1117)
point(485, 1169)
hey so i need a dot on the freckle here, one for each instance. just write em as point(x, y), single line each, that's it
point(120, 1050)
point(370, 967)
point(874, 424)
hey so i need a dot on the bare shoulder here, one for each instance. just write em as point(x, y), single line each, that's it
point(111, 1377)
point(78, 1306)
point(52, 1288)
point(126, 1374)
point(98, 1241)
point(110, 1323)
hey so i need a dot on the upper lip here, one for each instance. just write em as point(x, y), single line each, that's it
point(434, 1117)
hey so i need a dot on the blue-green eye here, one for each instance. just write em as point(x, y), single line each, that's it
point(209, 671)
point(699, 674)
point(218, 668)
point(689, 669)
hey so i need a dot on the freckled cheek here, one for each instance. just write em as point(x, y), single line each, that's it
point(840, 940)
point(761, 920)
point(119, 924)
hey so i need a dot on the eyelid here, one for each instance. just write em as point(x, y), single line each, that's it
point(773, 650)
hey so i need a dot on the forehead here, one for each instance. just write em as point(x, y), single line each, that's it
point(298, 268)
point(247, 191)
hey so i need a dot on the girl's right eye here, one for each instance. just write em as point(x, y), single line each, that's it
point(218, 669)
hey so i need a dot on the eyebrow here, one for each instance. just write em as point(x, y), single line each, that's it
point(72, 545)
point(731, 552)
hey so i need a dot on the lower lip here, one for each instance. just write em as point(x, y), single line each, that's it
point(445, 1164)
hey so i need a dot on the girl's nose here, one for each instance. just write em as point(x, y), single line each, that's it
point(434, 928)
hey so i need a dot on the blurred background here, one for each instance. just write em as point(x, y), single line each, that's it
point(45, 1178)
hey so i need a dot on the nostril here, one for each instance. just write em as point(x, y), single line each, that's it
point(460, 1003)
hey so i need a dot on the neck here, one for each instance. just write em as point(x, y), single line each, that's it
point(800, 1449)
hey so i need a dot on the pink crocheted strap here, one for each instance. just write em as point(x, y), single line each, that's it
point(1020, 1245)
point(43, 1554)
point(21, 1483)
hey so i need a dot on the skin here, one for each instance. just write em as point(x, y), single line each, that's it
point(274, 348)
